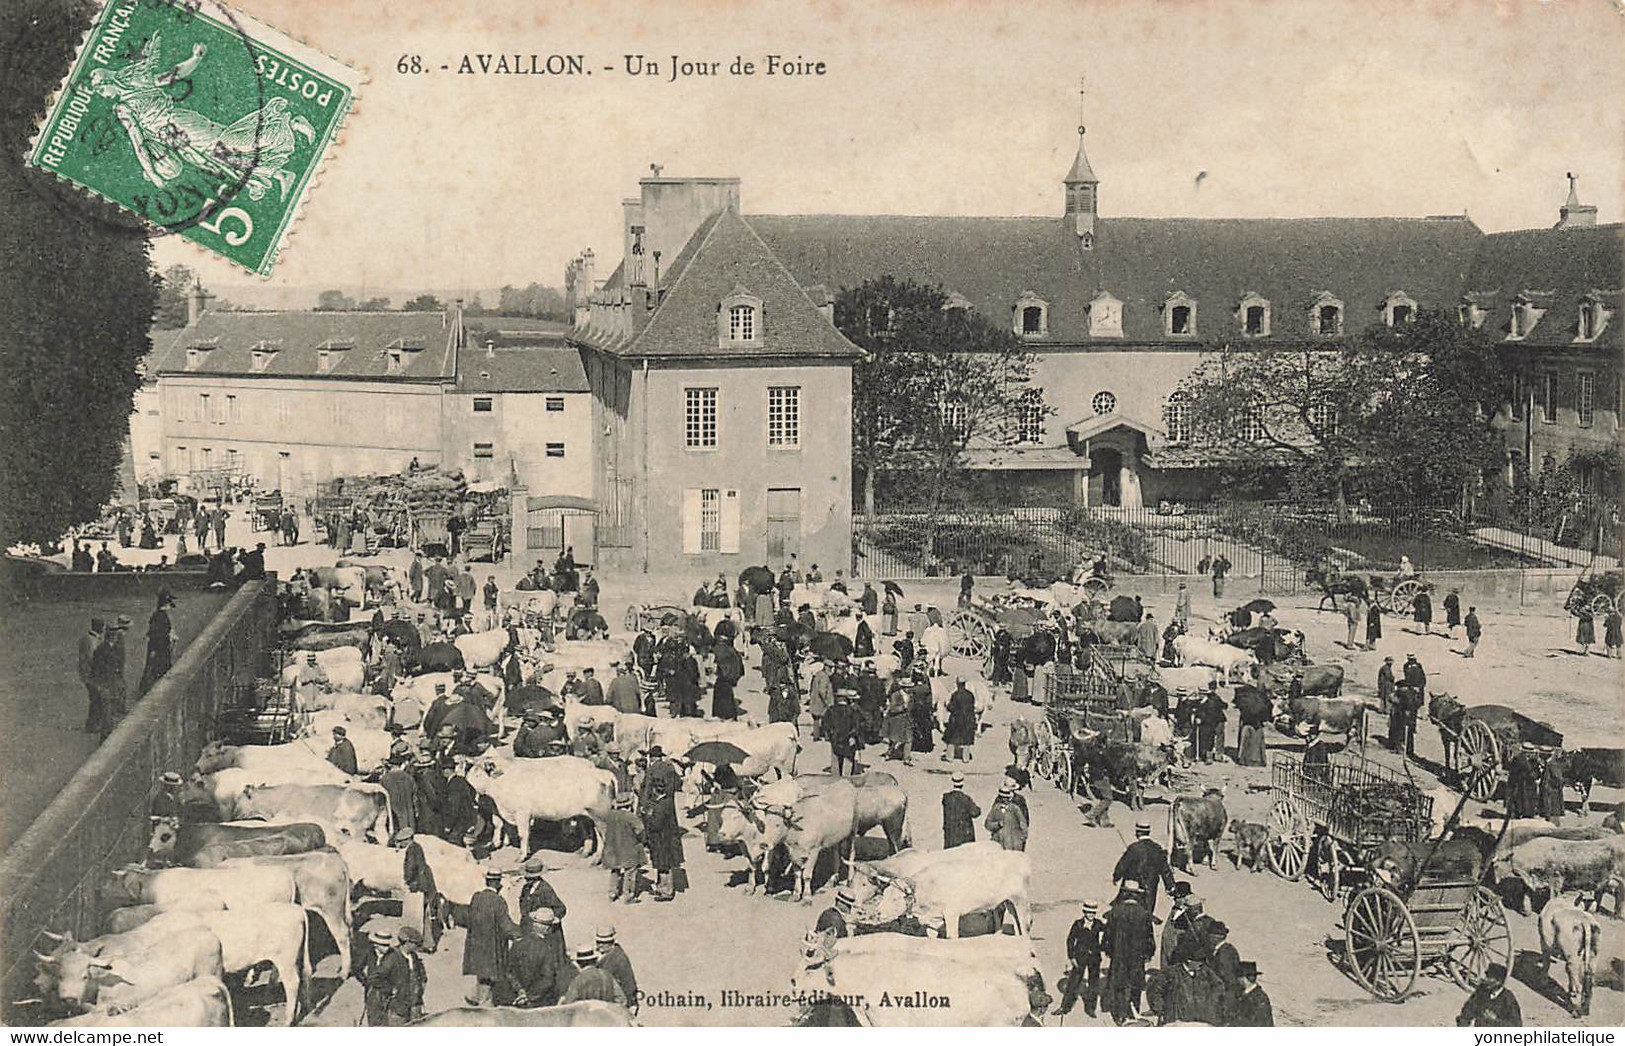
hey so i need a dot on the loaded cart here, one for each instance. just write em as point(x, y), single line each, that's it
point(1481, 740)
point(1077, 704)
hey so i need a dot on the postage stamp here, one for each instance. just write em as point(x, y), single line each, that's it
point(199, 120)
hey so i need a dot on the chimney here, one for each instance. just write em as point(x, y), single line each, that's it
point(671, 209)
point(490, 348)
point(1574, 214)
point(654, 286)
point(197, 300)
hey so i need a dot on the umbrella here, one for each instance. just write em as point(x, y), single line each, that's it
point(831, 646)
point(719, 753)
point(894, 588)
point(757, 579)
point(1258, 606)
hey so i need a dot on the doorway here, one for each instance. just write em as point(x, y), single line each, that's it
point(1106, 477)
point(783, 523)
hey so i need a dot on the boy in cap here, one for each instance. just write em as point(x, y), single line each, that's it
point(959, 814)
point(623, 849)
point(837, 919)
point(1084, 944)
point(592, 981)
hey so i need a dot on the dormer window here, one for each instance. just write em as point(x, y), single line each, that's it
point(324, 360)
point(1398, 308)
point(955, 302)
point(395, 359)
point(1594, 316)
point(259, 359)
point(1525, 315)
point(1031, 316)
point(198, 351)
point(1254, 313)
point(193, 358)
point(1179, 316)
point(1471, 314)
point(1105, 316)
point(739, 320)
point(1326, 316)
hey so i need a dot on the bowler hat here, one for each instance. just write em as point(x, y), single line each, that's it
point(1247, 969)
point(656, 752)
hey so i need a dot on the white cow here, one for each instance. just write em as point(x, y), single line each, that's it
point(1194, 650)
point(381, 869)
point(987, 982)
point(227, 768)
point(117, 971)
point(482, 649)
point(1189, 680)
point(421, 688)
point(200, 889)
point(363, 710)
point(935, 645)
point(938, 887)
point(555, 789)
point(200, 1003)
point(371, 744)
point(342, 665)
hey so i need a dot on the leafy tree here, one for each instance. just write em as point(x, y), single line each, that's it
point(334, 301)
point(1392, 414)
point(532, 300)
point(374, 305)
point(933, 382)
point(173, 286)
point(424, 303)
point(77, 300)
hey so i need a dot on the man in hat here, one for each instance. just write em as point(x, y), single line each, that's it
point(403, 795)
point(1408, 698)
point(529, 742)
point(837, 919)
point(1189, 991)
point(88, 644)
point(1084, 947)
point(490, 928)
point(1007, 821)
point(1385, 686)
point(658, 798)
point(592, 981)
point(538, 892)
point(342, 754)
point(389, 668)
point(1210, 715)
point(430, 780)
point(1225, 960)
point(537, 970)
point(959, 814)
point(166, 800)
point(1186, 921)
point(624, 695)
point(461, 814)
point(960, 733)
point(623, 849)
point(729, 671)
point(1492, 1004)
point(841, 728)
point(160, 642)
point(388, 997)
point(108, 665)
point(421, 905)
point(1146, 862)
point(1252, 1007)
point(312, 677)
point(613, 960)
point(1127, 939)
point(436, 712)
point(572, 687)
point(820, 696)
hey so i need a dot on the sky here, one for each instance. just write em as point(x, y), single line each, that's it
point(1291, 107)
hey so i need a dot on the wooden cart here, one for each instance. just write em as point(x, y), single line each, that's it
point(1480, 740)
point(1454, 926)
point(1076, 702)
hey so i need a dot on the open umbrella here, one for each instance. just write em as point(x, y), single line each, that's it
point(1258, 606)
point(757, 579)
point(718, 753)
point(831, 646)
point(894, 588)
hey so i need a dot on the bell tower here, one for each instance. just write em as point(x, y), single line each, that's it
point(1082, 190)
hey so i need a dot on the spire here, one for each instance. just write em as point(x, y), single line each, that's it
point(1574, 214)
point(1082, 173)
point(1082, 189)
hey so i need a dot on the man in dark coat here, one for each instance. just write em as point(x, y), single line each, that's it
point(1409, 696)
point(1373, 626)
point(841, 729)
point(539, 893)
point(591, 981)
point(461, 812)
point(624, 694)
point(1492, 1004)
point(1127, 939)
point(490, 928)
point(1084, 943)
point(537, 969)
point(1253, 709)
point(871, 703)
point(1210, 716)
point(160, 642)
point(1385, 686)
point(402, 791)
point(389, 995)
point(959, 814)
point(342, 754)
point(430, 783)
point(869, 600)
point(1189, 991)
point(1252, 1007)
point(1145, 862)
point(922, 710)
point(960, 734)
point(613, 960)
point(529, 742)
point(730, 670)
point(592, 691)
point(683, 686)
point(421, 908)
point(658, 801)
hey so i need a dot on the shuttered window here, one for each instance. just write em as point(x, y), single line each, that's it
point(710, 520)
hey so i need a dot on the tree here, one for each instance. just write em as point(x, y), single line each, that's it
point(933, 382)
point(173, 286)
point(77, 302)
point(532, 300)
point(334, 301)
point(374, 305)
point(1391, 414)
point(424, 303)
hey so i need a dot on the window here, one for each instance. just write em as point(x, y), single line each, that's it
point(1471, 314)
point(1525, 315)
point(1030, 417)
point(1180, 321)
point(482, 404)
point(324, 361)
point(1519, 395)
point(784, 416)
point(1588, 321)
point(1177, 417)
point(555, 404)
point(1326, 315)
point(555, 450)
point(1179, 315)
point(258, 359)
point(1401, 314)
point(1323, 418)
point(1546, 393)
point(182, 461)
point(1032, 320)
point(1253, 310)
point(484, 452)
point(1031, 316)
point(1252, 424)
point(741, 325)
point(232, 414)
point(699, 418)
point(200, 411)
point(955, 418)
point(1398, 308)
point(710, 520)
point(1255, 320)
point(395, 358)
point(1585, 397)
point(208, 457)
point(1104, 403)
point(234, 460)
point(193, 358)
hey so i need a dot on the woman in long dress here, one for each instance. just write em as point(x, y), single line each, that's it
point(922, 709)
point(1585, 632)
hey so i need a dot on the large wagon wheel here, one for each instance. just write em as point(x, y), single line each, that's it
point(1095, 586)
point(1402, 595)
point(1619, 601)
point(1601, 603)
point(632, 618)
point(1381, 944)
point(969, 635)
point(1291, 836)
point(1043, 750)
point(1481, 756)
point(1329, 861)
point(1483, 941)
point(1063, 767)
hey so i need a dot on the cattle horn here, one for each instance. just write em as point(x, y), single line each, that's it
point(33, 1001)
point(52, 935)
point(45, 960)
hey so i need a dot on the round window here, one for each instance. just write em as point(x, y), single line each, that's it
point(1104, 403)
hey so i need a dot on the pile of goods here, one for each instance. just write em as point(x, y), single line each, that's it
point(1382, 809)
point(430, 492)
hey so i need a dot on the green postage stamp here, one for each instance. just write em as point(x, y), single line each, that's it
point(199, 120)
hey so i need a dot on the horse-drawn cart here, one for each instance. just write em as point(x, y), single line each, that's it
point(1597, 591)
point(1480, 740)
point(1077, 704)
point(1392, 594)
point(267, 514)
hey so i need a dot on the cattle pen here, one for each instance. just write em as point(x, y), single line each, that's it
point(49, 879)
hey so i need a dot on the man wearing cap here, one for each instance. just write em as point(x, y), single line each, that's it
point(342, 754)
point(1127, 939)
point(592, 981)
point(1492, 1004)
point(1252, 1007)
point(538, 892)
point(623, 849)
point(959, 814)
point(837, 918)
point(537, 970)
point(160, 642)
point(1084, 944)
point(490, 928)
point(1007, 820)
point(1410, 694)
point(387, 1001)
point(528, 742)
point(1146, 862)
point(592, 691)
point(820, 696)
point(612, 959)
point(166, 800)
point(107, 665)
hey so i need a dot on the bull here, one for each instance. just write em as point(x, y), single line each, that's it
point(1194, 650)
point(882, 802)
point(558, 789)
point(321, 884)
point(341, 665)
point(1303, 716)
point(329, 639)
point(264, 764)
point(380, 869)
point(200, 1003)
point(118, 971)
point(936, 889)
point(1312, 680)
point(482, 649)
point(206, 845)
point(813, 824)
point(1570, 933)
point(342, 809)
point(1197, 822)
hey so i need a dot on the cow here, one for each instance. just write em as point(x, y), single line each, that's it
point(813, 824)
point(1194, 650)
point(937, 888)
point(482, 649)
point(1112, 633)
point(1130, 765)
point(1194, 679)
point(934, 646)
point(268, 764)
point(198, 888)
point(881, 801)
point(273, 933)
point(1270, 645)
point(1252, 842)
point(1585, 768)
point(119, 971)
point(989, 982)
point(330, 640)
point(364, 710)
point(1313, 680)
point(422, 688)
point(435, 657)
point(1551, 866)
point(321, 884)
point(380, 580)
point(342, 665)
point(345, 809)
point(349, 582)
point(1401, 865)
point(1303, 716)
point(558, 789)
point(200, 1003)
point(381, 869)
point(372, 744)
point(588, 1013)
point(1196, 823)
point(206, 845)
point(1570, 933)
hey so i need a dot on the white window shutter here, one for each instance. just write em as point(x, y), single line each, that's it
point(691, 520)
point(729, 539)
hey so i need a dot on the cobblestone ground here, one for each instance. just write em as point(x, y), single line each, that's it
point(714, 937)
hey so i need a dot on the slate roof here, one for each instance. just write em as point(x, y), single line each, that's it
point(364, 337)
point(724, 256)
point(1559, 267)
point(545, 367)
point(1141, 261)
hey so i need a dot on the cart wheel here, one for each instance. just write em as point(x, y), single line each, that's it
point(632, 618)
point(1481, 755)
point(1619, 601)
point(1043, 748)
point(1403, 595)
point(968, 635)
point(1381, 944)
point(1483, 941)
point(1601, 603)
point(1330, 880)
point(1063, 770)
point(1095, 586)
point(1290, 840)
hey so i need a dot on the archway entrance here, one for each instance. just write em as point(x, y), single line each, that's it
point(1106, 477)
